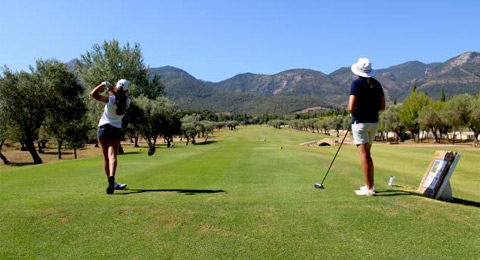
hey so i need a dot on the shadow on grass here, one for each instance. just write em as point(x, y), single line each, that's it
point(205, 143)
point(397, 192)
point(159, 146)
point(53, 153)
point(183, 191)
point(465, 202)
point(130, 152)
point(14, 164)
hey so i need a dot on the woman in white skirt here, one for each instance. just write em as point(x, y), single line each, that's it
point(110, 131)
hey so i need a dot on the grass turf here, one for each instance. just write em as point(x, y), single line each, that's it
point(239, 197)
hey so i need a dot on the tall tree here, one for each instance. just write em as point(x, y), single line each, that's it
point(336, 122)
point(189, 127)
point(170, 124)
point(112, 62)
point(474, 120)
point(310, 123)
point(28, 99)
point(3, 133)
point(456, 112)
point(24, 99)
point(65, 115)
point(324, 124)
point(77, 134)
point(443, 98)
point(409, 110)
point(232, 124)
point(153, 118)
point(207, 128)
point(347, 121)
point(390, 120)
point(430, 120)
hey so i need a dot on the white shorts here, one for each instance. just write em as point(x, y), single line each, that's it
point(364, 133)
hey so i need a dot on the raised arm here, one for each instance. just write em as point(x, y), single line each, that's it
point(95, 93)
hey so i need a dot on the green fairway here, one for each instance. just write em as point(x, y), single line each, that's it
point(240, 197)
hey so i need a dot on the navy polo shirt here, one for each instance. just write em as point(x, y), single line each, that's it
point(368, 99)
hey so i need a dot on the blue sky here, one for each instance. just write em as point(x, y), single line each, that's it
point(214, 39)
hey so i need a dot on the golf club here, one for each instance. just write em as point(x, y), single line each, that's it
point(320, 185)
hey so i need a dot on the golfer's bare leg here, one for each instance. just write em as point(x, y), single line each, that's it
point(367, 163)
point(106, 163)
point(371, 167)
point(112, 155)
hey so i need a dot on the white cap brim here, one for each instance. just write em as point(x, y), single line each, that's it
point(124, 84)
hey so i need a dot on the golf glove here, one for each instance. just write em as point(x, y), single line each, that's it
point(107, 84)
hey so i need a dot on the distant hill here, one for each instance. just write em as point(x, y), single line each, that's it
point(303, 89)
point(297, 82)
point(191, 93)
point(457, 75)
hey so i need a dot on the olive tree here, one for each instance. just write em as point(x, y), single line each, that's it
point(276, 123)
point(232, 124)
point(110, 61)
point(310, 123)
point(336, 122)
point(456, 112)
point(190, 127)
point(390, 122)
point(65, 119)
point(170, 124)
point(409, 110)
point(324, 124)
point(430, 119)
point(207, 128)
point(150, 117)
point(474, 120)
point(23, 98)
point(3, 133)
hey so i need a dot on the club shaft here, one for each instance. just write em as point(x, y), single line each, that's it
point(338, 150)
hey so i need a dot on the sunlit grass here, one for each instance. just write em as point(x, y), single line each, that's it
point(247, 195)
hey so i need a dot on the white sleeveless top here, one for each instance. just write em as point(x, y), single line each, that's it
point(110, 116)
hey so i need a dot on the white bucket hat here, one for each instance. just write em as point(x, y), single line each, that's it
point(124, 84)
point(363, 68)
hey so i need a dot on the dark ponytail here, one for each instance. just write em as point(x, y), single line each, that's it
point(121, 101)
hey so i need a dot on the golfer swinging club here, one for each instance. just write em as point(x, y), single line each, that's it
point(110, 126)
point(365, 101)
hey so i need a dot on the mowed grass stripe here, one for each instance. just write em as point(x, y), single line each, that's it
point(238, 197)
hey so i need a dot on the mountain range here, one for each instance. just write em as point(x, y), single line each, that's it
point(303, 89)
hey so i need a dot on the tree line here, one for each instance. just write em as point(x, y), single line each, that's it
point(421, 114)
point(418, 117)
point(50, 103)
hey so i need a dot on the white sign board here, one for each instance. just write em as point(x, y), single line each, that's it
point(435, 182)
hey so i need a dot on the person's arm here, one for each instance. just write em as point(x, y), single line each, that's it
point(352, 102)
point(95, 93)
point(111, 91)
point(382, 98)
point(382, 104)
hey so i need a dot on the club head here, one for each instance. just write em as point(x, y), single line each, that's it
point(319, 186)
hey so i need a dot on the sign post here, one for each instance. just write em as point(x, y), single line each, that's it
point(436, 181)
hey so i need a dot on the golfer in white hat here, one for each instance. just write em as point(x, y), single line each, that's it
point(365, 101)
point(110, 126)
